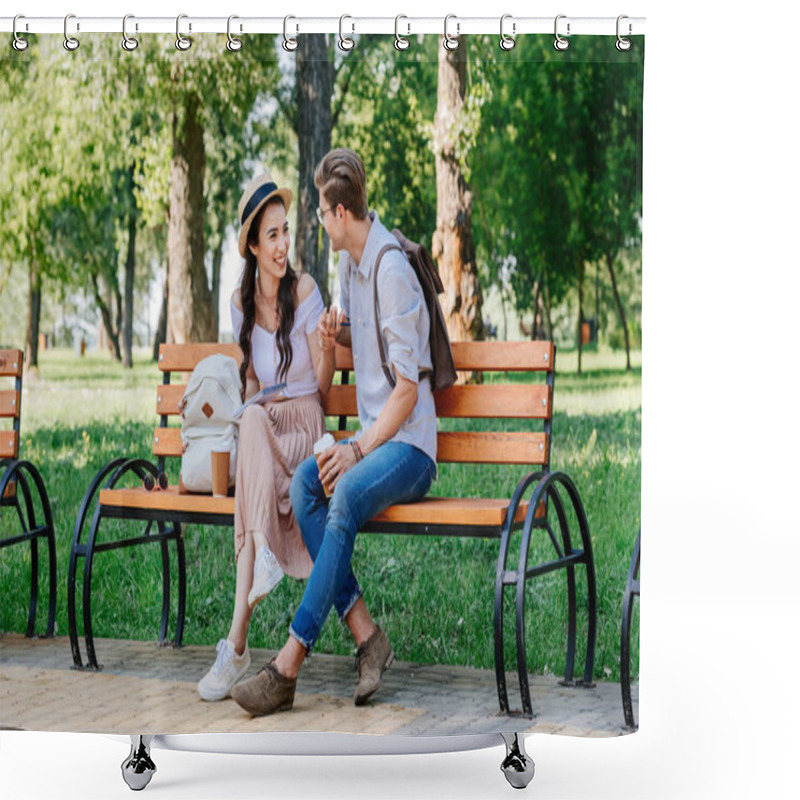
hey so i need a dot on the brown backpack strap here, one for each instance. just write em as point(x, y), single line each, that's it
point(384, 365)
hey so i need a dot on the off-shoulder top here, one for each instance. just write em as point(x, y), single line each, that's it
point(301, 378)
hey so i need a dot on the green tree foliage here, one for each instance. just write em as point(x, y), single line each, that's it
point(386, 118)
point(557, 178)
point(550, 142)
point(88, 165)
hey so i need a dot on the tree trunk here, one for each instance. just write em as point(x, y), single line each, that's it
point(216, 277)
point(547, 304)
point(106, 314)
point(191, 315)
point(453, 248)
point(130, 268)
point(34, 316)
point(580, 311)
point(314, 91)
point(620, 310)
point(536, 327)
point(161, 328)
point(503, 300)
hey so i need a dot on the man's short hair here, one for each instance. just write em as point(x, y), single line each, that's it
point(340, 176)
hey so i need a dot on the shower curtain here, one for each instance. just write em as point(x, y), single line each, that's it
point(118, 193)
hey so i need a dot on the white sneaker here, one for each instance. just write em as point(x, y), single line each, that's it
point(267, 574)
point(217, 683)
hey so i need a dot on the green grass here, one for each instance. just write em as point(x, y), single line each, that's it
point(435, 596)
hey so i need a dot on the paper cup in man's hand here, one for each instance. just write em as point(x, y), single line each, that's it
point(320, 446)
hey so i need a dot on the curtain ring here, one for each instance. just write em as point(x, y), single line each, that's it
point(506, 42)
point(70, 42)
point(451, 42)
point(18, 44)
point(560, 42)
point(181, 42)
point(128, 43)
point(234, 44)
point(400, 42)
point(623, 45)
point(345, 43)
point(289, 44)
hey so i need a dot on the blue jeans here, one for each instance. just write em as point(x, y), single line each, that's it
point(395, 472)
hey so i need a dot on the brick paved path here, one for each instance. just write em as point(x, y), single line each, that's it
point(144, 688)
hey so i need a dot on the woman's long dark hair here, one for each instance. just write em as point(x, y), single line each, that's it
point(287, 302)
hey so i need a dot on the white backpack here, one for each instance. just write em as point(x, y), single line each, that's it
point(211, 397)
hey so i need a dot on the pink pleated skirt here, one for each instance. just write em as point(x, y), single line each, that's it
point(273, 440)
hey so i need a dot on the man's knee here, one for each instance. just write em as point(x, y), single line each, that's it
point(304, 482)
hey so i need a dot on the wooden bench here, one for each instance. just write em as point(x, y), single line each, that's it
point(18, 480)
point(537, 504)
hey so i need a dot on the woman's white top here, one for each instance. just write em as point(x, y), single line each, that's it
point(301, 378)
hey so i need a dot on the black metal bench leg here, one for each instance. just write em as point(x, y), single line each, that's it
point(34, 588)
point(33, 529)
point(79, 550)
point(53, 578)
point(181, 586)
point(88, 561)
point(517, 766)
point(138, 768)
point(631, 590)
point(572, 626)
point(29, 525)
point(166, 580)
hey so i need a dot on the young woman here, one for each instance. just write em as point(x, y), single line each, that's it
point(286, 336)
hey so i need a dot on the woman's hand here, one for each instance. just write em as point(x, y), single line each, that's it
point(333, 463)
point(329, 327)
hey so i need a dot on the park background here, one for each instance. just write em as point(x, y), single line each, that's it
point(719, 166)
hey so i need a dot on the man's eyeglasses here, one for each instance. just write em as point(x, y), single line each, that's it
point(321, 214)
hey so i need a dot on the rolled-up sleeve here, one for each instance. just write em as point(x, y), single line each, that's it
point(401, 307)
point(344, 283)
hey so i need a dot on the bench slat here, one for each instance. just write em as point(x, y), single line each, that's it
point(486, 447)
point(9, 403)
point(11, 362)
point(429, 510)
point(185, 357)
point(168, 397)
point(486, 356)
point(516, 401)
point(9, 443)
point(461, 447)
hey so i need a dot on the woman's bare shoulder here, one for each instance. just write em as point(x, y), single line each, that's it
point(305, 285)
point(236, 299)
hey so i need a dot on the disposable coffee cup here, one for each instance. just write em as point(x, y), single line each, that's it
point(320, 446)
point(220, 466)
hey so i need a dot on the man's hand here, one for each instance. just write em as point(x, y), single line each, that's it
point(333, 463)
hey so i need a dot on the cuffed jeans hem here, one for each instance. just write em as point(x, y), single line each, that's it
point(357, 595)
point(309, 646)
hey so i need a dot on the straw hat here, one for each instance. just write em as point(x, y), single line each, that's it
point(257, 192)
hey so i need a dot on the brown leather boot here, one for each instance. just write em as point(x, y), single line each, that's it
point(374, 656)
point(266, 692)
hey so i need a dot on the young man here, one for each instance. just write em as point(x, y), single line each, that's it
point(391, 460)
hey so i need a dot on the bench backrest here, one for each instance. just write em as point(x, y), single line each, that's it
point(10, 401)
point(523, 401)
